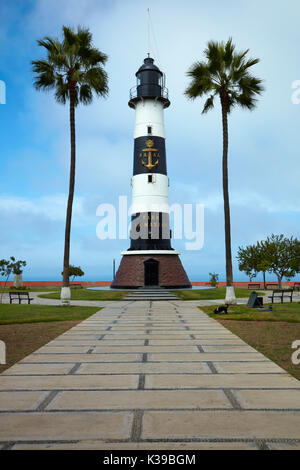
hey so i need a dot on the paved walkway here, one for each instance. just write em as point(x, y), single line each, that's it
point(103, 303)
point(141, 375)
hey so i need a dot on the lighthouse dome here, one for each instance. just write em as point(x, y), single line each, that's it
point(148, 65)
point(150, 84)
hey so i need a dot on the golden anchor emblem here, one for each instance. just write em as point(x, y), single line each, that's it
point(149, 153)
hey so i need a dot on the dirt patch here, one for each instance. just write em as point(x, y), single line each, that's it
point(273, 339)
point(23, 339)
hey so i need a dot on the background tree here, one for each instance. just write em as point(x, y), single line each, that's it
point(225, 74)
point(281, 256)
point(277, 255)
point(213, 279)
point(74, 70)
point(10, 266)
point(249, 259)
point(75, 271)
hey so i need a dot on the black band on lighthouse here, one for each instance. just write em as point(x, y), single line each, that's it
point(150, 231)
point(149, 155)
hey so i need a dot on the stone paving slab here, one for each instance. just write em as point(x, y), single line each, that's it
point(269, 399)
point(240, 367)
point(211, 341)
point(284, 446)
point(144, 349)
point(69, 357)
point(231, 381)
point(217, 424)
point(58, 349)
point(168, 357)
point(39, 369)
point(98, 445)
point(15, 400)
point(146, 368)
point(64, 426)
point(143, 375)
point(139, 399)
point(69, 382)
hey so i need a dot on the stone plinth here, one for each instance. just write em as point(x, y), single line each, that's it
point(131, 272)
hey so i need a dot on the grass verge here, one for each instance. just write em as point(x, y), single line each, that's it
point(87, 294)
point(15, 313)
point(286, 312)
point(23, 339)
point(212, 294)
point(269, 333)
point(26, 328)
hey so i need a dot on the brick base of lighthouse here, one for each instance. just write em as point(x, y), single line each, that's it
point(131, 272)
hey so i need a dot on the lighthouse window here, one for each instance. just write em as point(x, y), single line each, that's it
point(149, 178)
point(150, 130)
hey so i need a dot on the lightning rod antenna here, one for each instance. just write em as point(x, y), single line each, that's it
point(148, 29)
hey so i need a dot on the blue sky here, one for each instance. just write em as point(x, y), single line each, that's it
point(263, 147)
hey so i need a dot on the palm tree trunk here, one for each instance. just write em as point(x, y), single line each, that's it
point(229, 277)
point(71, 189)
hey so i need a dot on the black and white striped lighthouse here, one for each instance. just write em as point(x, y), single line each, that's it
point(150, 259)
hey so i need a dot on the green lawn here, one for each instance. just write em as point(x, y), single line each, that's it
point(87, 294)
point(29, 289)
point(211, 294)
point(286, 312)
point(15, 313)
point(271, 333)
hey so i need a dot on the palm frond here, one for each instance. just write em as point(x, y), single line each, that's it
point(73, 61)
point(246, 100)
point(85, 94)
point(96, 78)
point(224, 71)
point(45, 75)
point(61, 90)
point(84, 37)
point(202, 81)
point(209, 104)
point(49, 43)
point(228, 52)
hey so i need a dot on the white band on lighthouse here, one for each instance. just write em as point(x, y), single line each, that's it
point(149, 113)
point(150, 196)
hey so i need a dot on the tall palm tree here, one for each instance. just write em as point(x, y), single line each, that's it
point(225, 74)
point(74, 70)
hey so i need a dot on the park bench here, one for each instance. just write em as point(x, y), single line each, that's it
point(271, 285)
point(280, 294)
point(76, 286)
point(254, 285)
point(296, 286)
point(19, 296)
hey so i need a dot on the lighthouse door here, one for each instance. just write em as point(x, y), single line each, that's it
point(151, 272)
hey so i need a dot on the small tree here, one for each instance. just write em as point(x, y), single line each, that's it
point(249, 259)
point(75, 271)
point(281, 256)
point(214, 278)
point(276, 254)
point(10, 266)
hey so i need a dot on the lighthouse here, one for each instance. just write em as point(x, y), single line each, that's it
point(150, 260)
